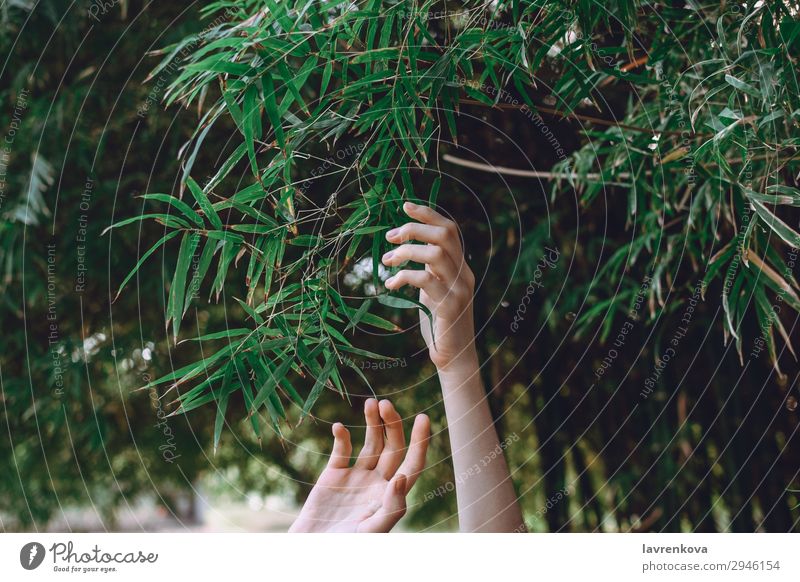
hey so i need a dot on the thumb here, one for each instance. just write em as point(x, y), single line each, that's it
point(391, 510)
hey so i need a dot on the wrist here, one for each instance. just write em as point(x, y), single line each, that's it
point(461, 368)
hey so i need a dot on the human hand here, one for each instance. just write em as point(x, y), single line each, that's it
point(370, 496)
point(446, 284)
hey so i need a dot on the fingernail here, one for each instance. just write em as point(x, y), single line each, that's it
point(388, 256)
point(409, 206)
point(393, 233)
point(389, 282)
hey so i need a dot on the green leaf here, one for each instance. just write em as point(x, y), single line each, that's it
point(399, 302)
point(204, 203)
point(358, 315)
point(166, 219)
point(742, 86)
point(229, 250)
point(175, 304)
point(222, 404)
point(198, 396)
point(200, 271)
point(780, 228)
point(370, 229)
point(271, 383)
point(227, 166)
point(305, 240)
point(437, 183)
point(251, 125)
point(145, 256)
point(364, 353)
point(180, 205)
point(191, 371)
point(190, 160)
point(787, 196)
point(247, 394)
point(379, 322)
point(319, 384)
point(271, 107)
point(326, 77)
point(225, 334)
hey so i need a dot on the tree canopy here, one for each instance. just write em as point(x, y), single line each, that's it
point(625, 175)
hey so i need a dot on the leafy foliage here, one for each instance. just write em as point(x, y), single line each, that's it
point(596, 107)
point(75, 431)
point(703, 155)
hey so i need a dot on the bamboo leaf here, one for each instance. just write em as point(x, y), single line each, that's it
point(166, 219)
point(742, 86)
point(319, 384)
point(204, 203)
point(780, 228)
point(222, 404)
point(270, 385)
point(177, 292)
point(180, 205)
point(163, 240)
point(271, 107)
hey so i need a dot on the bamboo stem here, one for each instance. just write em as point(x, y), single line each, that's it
point(522, 173)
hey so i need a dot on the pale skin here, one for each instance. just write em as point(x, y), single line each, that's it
point(342, 500)
point(370, 495)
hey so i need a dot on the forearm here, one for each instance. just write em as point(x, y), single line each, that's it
point(484, 490)
point(486, 498)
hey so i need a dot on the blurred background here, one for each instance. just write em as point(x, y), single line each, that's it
point(608, 433)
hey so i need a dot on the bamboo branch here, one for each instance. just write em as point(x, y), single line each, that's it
point(522, 173)
point(581, 117)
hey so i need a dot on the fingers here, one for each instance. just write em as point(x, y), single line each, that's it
point(392, 454)
point(434, 256)
point(426, 214)
point(445, 237)
point(373, 442)
point(391, 510)
point(436, 231)
point(342, 448)
point(414, 462)
point(424, 280)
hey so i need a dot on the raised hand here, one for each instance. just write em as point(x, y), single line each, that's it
point(370, 496)
point(446, 284)
point(487, 501)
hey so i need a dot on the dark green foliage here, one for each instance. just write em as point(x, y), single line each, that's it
point(664, 137)
point(703, 152)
